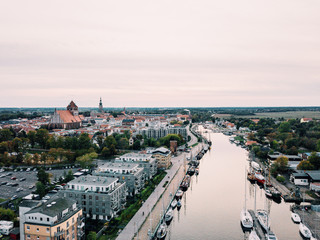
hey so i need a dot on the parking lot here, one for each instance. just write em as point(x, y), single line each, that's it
point(25, 186)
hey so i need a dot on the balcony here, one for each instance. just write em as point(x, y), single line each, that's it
point(58, 234)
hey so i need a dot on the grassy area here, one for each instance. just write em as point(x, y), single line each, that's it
point(2, 200)
point(276, 115)
point(132, 207)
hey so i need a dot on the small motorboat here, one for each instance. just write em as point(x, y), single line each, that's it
point(162, 231)
point(268, 193)
point(168, 216)
point(295, 218)
point(253, 235)
point(179, 193)
point(179, 204)
point(305, 231)
point(174, 203)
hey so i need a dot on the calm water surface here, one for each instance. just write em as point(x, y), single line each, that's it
point(212, 205)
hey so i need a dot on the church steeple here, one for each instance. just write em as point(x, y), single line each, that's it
point(100, 106)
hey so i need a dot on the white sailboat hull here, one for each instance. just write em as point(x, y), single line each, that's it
point(246, 219)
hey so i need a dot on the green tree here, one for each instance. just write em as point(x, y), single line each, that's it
point(284, 127)
point(110, 140)
point(305, 165)
point(86, 160)
point(42, 135)
point(32, 137)
point(92, 236)
point(40, 189)
point(136, 145)
point(69, 176)
point(314, 159)
point(43, 176)
point(84, 141)
point(5, 135)
point(7, 214)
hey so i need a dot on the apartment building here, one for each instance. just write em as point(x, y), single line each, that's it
point(163, 156)
point(130, 173)
point(99, 197)
point(56, 219)
point(146, 161)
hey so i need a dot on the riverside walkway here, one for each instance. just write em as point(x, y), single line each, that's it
point(152, 207)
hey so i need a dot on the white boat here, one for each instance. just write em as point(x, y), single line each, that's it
point(162, 231)
point(179, 193)
point(263, 219)
point(255, 166)
point(295, 218)
point(268, 193)
point(245, 216)
point(305, 231)
point(169, 215)
point(253, 235)
point(174, 203)
point(246, 219)
point(179, 204)
point(271, 236)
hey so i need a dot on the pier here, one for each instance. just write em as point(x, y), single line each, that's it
point(257, 226)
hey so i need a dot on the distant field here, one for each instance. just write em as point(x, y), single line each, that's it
point(286, 115)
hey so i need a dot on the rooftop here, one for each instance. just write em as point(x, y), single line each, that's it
point(93, 180)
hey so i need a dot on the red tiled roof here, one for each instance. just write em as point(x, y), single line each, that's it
point(67, 117)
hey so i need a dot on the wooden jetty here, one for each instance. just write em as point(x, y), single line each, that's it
point(257, 226)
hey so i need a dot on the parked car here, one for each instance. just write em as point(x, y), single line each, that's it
point(14, 184)
point(14, 197)
point(28, 170)
point(30, 187)
point(22, 179)
point(4, 183)
point(13, 178)
point(19, 189)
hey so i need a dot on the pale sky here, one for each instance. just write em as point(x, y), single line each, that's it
point(147, 53)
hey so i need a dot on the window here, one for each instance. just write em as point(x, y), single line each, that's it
point(67, 224)
point(41, 219)
point(28, 227)
point(67, 231)
point(47, 219)
point(90, 197)
point(97, 197)
point(70, 195)
point(37, 229)
point(47, 230)
point(72, 220)
point(97, 210)
point(28, 236)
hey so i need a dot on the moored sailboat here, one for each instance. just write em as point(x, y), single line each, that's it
point(305, 231)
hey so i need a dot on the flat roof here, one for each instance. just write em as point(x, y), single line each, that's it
point(89, 180)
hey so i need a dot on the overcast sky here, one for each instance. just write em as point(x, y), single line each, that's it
point(160, 53)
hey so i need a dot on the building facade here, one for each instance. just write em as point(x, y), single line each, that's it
point(146, 161)
point(163, 156)
point(159, 132)
point(56, 219)
point(66, 119)
point(99, 197)
point(130, 173)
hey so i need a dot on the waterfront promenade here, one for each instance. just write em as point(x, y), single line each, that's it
point(152, 208)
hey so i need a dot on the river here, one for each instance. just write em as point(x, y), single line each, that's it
point(211, 206)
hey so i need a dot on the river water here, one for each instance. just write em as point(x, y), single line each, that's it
point(211, 206)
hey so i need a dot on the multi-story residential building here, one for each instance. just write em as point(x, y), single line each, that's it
point(163, 156)
point(146, 161)
point(99, 197)
point(58, 218)
point(130, 173)
point(159, 132)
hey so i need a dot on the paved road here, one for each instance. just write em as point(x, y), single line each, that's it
point(152, 203)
